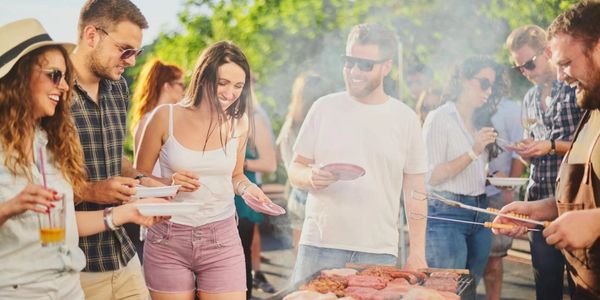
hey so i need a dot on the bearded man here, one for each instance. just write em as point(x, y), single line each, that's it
point(575, 42)
point(357, 221)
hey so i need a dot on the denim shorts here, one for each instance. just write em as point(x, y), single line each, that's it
point(312, 259)
point(174, 253)
point(452, 245)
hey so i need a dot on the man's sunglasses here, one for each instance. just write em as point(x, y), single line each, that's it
point(365, 65)
point(125, 52)
point(484, 83)
point(54, 75)
point(528, 65)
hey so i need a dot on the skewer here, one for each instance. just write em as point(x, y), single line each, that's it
point(484, 224)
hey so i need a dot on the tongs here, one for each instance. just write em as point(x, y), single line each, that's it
point(484, 224)
point(491, 211)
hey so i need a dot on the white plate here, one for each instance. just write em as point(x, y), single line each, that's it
point(159, 191)
point(167, 209)
point(507, 181)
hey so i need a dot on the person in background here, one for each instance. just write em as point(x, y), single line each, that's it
point(427, 101)
point(307, 88)
point(158, 83)
point(458, 149)
point(42, 161)
point(505, 118)
point(551, 116)
point(201, 142)
point(419, 79)
point(574, 39)
point(366, 127)
point(259, 158)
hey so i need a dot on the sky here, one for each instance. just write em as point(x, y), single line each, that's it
point(59, 17)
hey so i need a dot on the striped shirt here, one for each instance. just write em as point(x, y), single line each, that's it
point(559, 123)
point(102, 128)
point(447, 138)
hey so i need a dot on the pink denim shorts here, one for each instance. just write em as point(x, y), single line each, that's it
point(174, 253)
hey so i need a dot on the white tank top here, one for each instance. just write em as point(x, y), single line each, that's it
point(213, 167)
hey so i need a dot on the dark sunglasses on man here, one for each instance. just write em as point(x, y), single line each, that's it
point(365, 65)
point(528, 65)
point(54, 75)
point(125, 52)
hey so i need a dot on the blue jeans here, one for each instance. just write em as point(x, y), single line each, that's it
point(548, 268)
point(312, 259)
point(456, 245)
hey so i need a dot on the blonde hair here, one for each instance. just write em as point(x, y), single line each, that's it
point(528, 35)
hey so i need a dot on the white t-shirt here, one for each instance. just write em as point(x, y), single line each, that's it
point(384, 139)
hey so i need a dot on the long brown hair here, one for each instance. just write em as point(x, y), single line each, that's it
point(17, 122)
point(203, 86)
point(153, 76)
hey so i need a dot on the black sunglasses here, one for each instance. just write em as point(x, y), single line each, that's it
point(484, 83)
point(125, 53)
point(54, 75)
point(365, 65)
point(528, 65)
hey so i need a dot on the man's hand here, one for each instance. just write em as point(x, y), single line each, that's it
point(114, 190)
point(150, 182)
point(520, 228)
point(574, 230)
point(320, 179)
point(534, 148)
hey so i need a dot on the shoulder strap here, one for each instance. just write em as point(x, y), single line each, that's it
point(171, 119)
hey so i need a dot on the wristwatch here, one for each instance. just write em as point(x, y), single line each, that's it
point(139, 177)
point(552, 147)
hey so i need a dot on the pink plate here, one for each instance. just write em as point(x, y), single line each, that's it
point(268, 208)
point(344, 171)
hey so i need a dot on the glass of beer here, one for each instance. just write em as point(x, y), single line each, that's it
point(52, 224)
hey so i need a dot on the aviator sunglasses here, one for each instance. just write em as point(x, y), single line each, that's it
point(125, 52)
point(54, 75)
point(528, 65)
point(365, 65)
point(484, 83)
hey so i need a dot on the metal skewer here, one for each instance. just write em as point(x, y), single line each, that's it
point(484, 224)
point(517, 217)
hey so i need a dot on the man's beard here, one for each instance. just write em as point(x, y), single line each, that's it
point(589, 97)
point(97, 68)
point(364, 91)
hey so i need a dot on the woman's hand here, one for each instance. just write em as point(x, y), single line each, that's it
point(33, 197)
point(189, 181)
point(484, 137)
point(128, 213)
point(254, 191)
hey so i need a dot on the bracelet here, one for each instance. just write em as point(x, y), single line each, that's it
point(246, 187)
point(237, 185)
point(108, 219)
point(472, 155)
point(139, 177)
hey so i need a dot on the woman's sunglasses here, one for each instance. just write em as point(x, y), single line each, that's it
point(125, 53)
point(484, 83)
point(528, 65)
point(54, 75)
point(365, 65)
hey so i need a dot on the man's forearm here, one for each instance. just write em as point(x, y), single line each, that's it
point(299, 176)
point(545, 209)
point(127, 169)
point(562, 146)
point(415, 184)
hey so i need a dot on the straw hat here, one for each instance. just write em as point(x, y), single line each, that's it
point(21, 37)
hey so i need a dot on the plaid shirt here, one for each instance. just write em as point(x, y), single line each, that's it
point(102, 128)
point(559, 123)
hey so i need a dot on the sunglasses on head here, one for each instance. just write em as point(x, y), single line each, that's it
point(365, 65)
point(484, 83)
point(54, 75)
point(125, 52)
point(528, 65)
